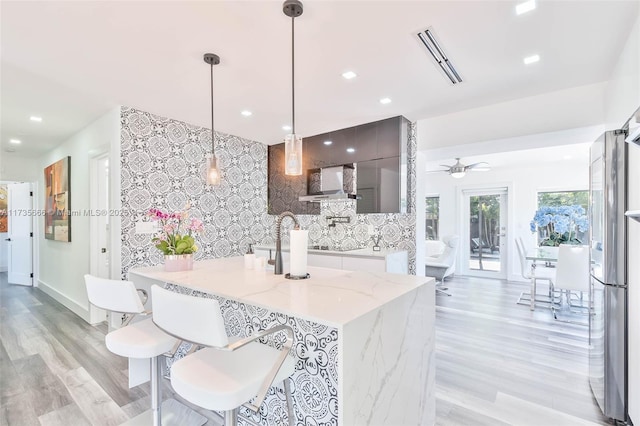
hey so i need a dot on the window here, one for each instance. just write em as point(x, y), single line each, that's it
point(564, 198)
point(433, 217)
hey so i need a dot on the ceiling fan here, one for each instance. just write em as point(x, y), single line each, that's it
point(458, 170)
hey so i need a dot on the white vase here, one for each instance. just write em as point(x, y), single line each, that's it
point(178, 262)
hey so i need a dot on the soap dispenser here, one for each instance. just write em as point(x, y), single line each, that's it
point(249, 257)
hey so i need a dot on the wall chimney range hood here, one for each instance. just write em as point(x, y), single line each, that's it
point(328, 184)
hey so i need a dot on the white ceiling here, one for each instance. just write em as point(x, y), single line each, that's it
point(561, 155)
point(69, 62)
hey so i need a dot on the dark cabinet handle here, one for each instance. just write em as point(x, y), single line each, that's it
point(7, 239)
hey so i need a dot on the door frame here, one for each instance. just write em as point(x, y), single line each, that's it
point(33, 186)
point(462, 227)
point(97, 315)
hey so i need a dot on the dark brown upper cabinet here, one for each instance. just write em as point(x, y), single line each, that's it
point(378, 147)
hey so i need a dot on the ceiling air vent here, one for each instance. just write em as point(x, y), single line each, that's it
point(427, 38)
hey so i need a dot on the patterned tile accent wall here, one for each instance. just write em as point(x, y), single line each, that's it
point(314, 385)
point(163, 166)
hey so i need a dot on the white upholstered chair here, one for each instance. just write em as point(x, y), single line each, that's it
point(443, 264)
point(223, 375)
point(140, 339)
point(573, 274)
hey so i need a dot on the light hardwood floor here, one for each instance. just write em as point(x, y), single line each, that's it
point(497, 363)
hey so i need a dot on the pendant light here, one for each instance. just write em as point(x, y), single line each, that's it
point(293, 142)
point(213, 172)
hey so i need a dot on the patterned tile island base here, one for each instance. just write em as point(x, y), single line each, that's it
point(364, 341)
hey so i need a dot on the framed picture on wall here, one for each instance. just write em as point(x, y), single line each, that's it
point(57, 198)
point(4, 208)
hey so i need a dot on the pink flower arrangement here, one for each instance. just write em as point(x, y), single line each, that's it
point(171, 239)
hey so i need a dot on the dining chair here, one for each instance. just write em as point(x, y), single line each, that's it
point(541, 273)
point(573, 275)
point(224, 374)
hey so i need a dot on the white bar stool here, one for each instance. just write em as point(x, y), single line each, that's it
point(223, 376)
point(140, 339)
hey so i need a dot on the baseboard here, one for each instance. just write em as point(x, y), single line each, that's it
point(71, 304)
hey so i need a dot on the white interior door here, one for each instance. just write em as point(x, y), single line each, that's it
point(484, 248)
point(101, 240)
point(20, 247)
point(100, 223)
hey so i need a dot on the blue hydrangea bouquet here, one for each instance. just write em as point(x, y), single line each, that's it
point(560, 224)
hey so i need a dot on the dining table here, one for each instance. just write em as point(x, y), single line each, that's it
point(537, 255)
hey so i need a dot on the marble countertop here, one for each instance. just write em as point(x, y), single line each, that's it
point(331, 296)
point(363, 252)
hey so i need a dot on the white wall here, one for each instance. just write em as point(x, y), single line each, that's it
point(622, 95)
point(622, 99)
point(522, 202)
point(18, 169)
point(62, 265)
point(549, 112)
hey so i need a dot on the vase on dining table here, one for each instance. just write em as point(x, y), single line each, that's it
point(550, 251)
point(178, 262)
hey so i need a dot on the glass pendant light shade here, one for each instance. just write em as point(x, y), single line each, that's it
point(293, 155)
point(213, 173)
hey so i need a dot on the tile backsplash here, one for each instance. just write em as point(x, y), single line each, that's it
point(163, 166)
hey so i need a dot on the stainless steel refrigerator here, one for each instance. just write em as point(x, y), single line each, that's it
point(608, 322)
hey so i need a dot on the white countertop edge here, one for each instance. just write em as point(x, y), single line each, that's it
point(158, 273)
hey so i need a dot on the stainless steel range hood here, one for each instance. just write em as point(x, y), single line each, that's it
point(327, 184)
point(336, 196)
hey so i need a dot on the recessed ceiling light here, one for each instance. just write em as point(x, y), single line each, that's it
point(567, 157)
point(36, 119)
point(286, 127)
point(351, 150)
point(385, 101)
point(328, 142)
point(531, 59)
point(525, 7)
point(15, 141)
point(349, 75)
point(246, 113)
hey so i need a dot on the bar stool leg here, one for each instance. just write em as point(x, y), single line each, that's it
point(287, 394)
point(156, 403)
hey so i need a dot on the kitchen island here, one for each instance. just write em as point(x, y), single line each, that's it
point(364, 340)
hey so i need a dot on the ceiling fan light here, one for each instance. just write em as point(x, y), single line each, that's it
point(457, 175)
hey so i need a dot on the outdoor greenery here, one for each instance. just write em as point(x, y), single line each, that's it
point(564, 198)
point(485, 212)
point(432, 218)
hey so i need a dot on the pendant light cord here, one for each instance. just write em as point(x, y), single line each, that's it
point(293, 75)
point(213, 149)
